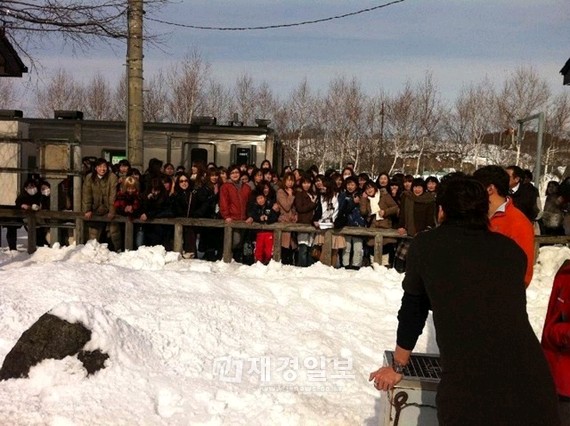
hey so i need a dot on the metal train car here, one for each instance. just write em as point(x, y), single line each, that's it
point(181, 144)
point(55, 147)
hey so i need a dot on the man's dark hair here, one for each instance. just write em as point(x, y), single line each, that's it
point(464, 201)
point(419, 182)
point(517, 172)
point(493, 175)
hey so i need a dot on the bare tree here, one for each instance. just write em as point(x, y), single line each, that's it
point(471, 119)
point(98, 99)
point(217, 101)
point(186, 82)
point(155, 98)
point(244, 98)
point(30, 24)
point(375, 120)
point(119, 102)
point(8, 93)
point(266, 103)
point(61, 92)
point(300, 109)
point(428, 110)
point(523, 94)
point(557, 127)
point(344, 104)
point(400, 124)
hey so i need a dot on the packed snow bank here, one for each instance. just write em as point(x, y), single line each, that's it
point(192, 342)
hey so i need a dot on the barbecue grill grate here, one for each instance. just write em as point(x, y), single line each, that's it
point(424, 367)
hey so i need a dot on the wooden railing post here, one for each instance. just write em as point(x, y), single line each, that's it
point(277, 235)
point(378, 245)
point(32, 232)
point(129, 235)
point(228, 242)
point(178, 237)
point(326, 254)
point(79, 230)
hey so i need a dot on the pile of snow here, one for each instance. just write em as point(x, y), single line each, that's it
point(193, 342)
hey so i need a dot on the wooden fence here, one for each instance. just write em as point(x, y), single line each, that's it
point(73, 220)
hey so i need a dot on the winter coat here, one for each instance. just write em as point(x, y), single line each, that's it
point(26, 199)
point(157, 206)
point(349, 211)
point(305, 207)
point(525, 199)
point(233, 200)
point(326, 210)
point(473, 281)
point(390, 208)
point(98, 194)
point(553, 215)
point(288, 214)
point(206, 202)
point(183, 203)
point(512, 223)
point(255, 211)
point(125, 199)
point(556, 332)
point(417, 213)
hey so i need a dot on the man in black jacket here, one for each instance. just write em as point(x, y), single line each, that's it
point(493, 369)
point(524, 194)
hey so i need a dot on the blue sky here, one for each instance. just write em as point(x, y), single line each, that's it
point(459, 41)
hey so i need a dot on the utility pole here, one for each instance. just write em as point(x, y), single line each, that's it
point(135, 124)
point(381, 153)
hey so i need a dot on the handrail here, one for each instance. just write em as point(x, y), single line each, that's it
point(62, 219)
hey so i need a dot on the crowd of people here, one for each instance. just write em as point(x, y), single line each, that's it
point(332, 199)
point(259, 194)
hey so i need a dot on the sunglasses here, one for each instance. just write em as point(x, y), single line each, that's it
point(182, 180)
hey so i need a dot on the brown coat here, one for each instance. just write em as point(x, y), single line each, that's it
point(288, 213)
point(390, 208)
point(417, 213)
point(305, 207)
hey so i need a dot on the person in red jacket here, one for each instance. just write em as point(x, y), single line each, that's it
point(234, 196)
point(556, 338)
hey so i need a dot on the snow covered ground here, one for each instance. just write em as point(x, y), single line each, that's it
point(192, 342)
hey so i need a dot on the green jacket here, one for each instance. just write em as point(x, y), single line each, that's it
point(98, 194)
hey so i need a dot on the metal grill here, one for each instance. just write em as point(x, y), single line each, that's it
point(425, 367)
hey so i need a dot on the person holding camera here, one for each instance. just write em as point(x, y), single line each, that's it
point(262, 212)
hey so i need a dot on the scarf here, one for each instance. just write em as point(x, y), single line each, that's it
point(375, 205)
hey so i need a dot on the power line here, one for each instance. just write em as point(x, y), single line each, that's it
point(267, 27)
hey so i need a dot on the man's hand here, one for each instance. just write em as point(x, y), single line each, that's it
point(88, 215)
point(385, 378)
point(249, 220)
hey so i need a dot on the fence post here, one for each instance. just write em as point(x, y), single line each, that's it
point(79, 230)
point(326, 254)
point(378, 245)
point(178, 239)
point(228, 242)
point(129, 235)
point(32, 233)
point(277, 233)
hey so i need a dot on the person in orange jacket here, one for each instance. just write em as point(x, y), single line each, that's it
point(504, 217)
